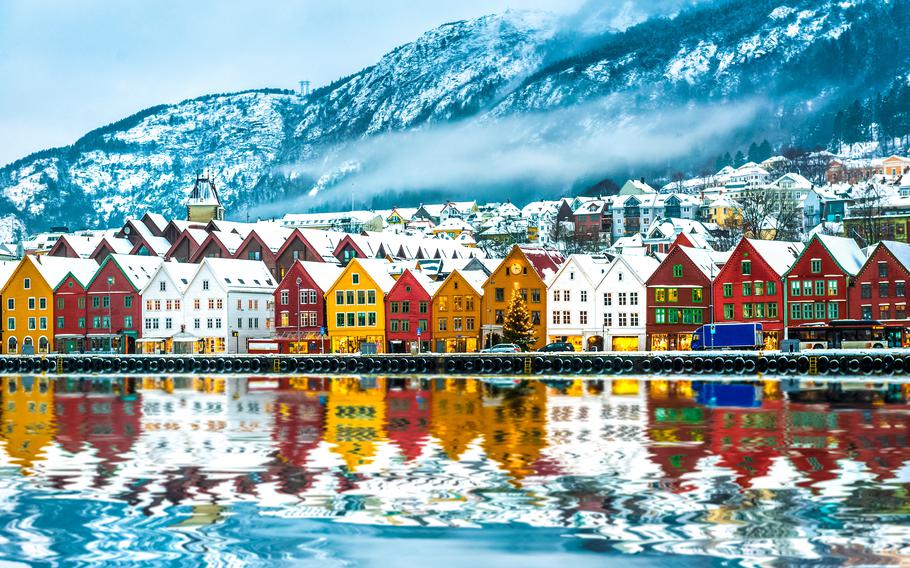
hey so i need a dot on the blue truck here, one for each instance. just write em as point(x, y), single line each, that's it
point(728, 336)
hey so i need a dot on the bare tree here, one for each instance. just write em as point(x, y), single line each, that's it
point(769, 213)
point(864, 218)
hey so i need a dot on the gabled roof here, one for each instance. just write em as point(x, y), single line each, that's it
point(592, 268)
point(7, 267)
point(179, 273)
point(235, 275)
point(428, 285)
point(82, 245)
point(474, 278)
point(546, 262)
point(707, 261)
point(54, 269)
point(157, 220)
point(641, 266)
point(845, 252)
point(324, 274)
point(901, 251)
point(378, 271)
point(137, 269)
point(780, 255)
point(116, 244)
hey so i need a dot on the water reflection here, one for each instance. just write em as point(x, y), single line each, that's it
point(794, 469)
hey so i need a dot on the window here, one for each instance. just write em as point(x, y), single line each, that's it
point(371, 297)
point(866, 312)
point(622, 296)
point(660, 315)
point(815, 265)
point(10, 304)
point(60, 323)
point(27, 283)
point(371, 318)
point(351, 319)
point(197, 323)
point(673, 316)
point(608, 320)
point(405, 325)
point(205, 284)
point(285, 297)
point(673, 294)
point(443, 304)
point(127, 301)
point(807, 311)
point(555, 295)
point(468, 324)
point(747, 311)
point(162, 286)
point(622, 319)
point(339, 319)
point(633, 319)
point(361, 297)
point(833, 310)
point(677, 271)
point(355, 278)
point(746, 267)
point(442, 324)
point(566, 317)
point(312, 296)
point(31, 323)
point(422, 307)
point(807, 287)
point(498, 316)
point(883, 289)
point(535, 295)
point(196, 304)
point(728, 290)
point(42, 303)
point(794, 288)
point(128, 322)
point(819, 287)
point(349, 297)
point(759, 310)
point(583, 317)
point(60, 303)
point(819, 310)
point(608, 298)
point(555, 318)
point(393, 325)
point(729, 311)
point(883, 271)
point(747, 288)
point(697, 295)
point(900, 289)
point(795, 312)
point(772, 309)
point(457, 324)
point(583, 295)
point(832, 287)
point(771, 288)
point(394, 307)
point(884, 312)
point(865, 290)
point(759, 288)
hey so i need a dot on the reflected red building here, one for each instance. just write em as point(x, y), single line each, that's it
point(678, 430)
point(409, 420)
point(748, 439)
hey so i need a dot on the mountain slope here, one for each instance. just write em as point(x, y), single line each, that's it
point(515, 105)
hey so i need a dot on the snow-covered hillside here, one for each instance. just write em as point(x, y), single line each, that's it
point(528, 106)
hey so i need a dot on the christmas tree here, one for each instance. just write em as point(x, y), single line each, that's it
point(517, 327)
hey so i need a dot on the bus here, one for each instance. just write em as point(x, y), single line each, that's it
point(847, 334)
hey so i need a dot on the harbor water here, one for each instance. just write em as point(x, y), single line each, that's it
point(374, 471)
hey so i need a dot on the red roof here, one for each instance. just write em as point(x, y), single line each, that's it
point(543, 260)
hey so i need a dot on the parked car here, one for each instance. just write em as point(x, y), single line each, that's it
point(557, 346)
point(502, 348)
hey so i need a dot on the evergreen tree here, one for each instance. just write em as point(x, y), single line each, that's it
point(764, 151)
point(739, 159)
point(753, 153)
point(517, 327)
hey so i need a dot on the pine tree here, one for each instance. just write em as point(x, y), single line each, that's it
point(517, 327)
point(739, 159)
point(753, 153)
point(764, 151)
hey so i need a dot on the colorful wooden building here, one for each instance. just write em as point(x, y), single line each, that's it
point(300, 307)
point(818, 281)
point(457, 308)
point(355, 307)
point(409, 314)
point(748, 287)
point(679, 295)
point(880, 289)
point(525, 270)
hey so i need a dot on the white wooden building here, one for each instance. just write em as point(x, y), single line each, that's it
point(621, 305)
point(164, 311)
point(571, 305)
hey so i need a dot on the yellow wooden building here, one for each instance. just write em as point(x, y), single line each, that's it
point(514, 428)
point(457, 312)
point(525, 269)
point(355, 307)
point(456, 414)
point(28, 301)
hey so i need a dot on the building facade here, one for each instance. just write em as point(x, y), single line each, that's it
point(355, 307)
point(300, 307)
point(880, 289)
point(409, 314)
point(456, 308)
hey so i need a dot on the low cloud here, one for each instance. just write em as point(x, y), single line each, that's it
point(544, 152)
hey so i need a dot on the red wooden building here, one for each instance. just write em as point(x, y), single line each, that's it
point(300, 314)
point(263, 243)
point(409, 308)
point(408, 416)
point(880, 289)
point(114, 304)
point(817, 283)
point(70, 313)
point(748, 289)
point(679, 297)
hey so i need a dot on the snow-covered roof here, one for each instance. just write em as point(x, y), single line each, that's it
point(324, 274)
point(592, 268)
point(378, 271)
point(780, 255)
point(546, 261)
point(55, 268)
point(235, 275)
point(7, 267)
point(475, 278)
point(707, 261)
point(845, 252)
point(901, 251)
point(641, 265)
point(117, 244)
point(82, 245)
point(230, 241)
point(180, 273)
point(428, 284)
point(157, 219)
point(272, 236)
point(138, 269)
point(453, 224)
point(797, 180)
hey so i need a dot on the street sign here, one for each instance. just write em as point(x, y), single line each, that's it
point(418, 332)
point(712, 328)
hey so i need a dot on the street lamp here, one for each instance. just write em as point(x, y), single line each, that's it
point(297, 346)
point(110, 331)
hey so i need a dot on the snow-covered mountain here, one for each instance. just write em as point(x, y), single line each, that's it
point(519, 102)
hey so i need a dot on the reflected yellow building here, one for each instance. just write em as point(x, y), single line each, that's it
point(355, 419)
point(455, 417)
point(514, 428)
point(28, 419)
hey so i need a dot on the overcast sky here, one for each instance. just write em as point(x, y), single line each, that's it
point(67, 67)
